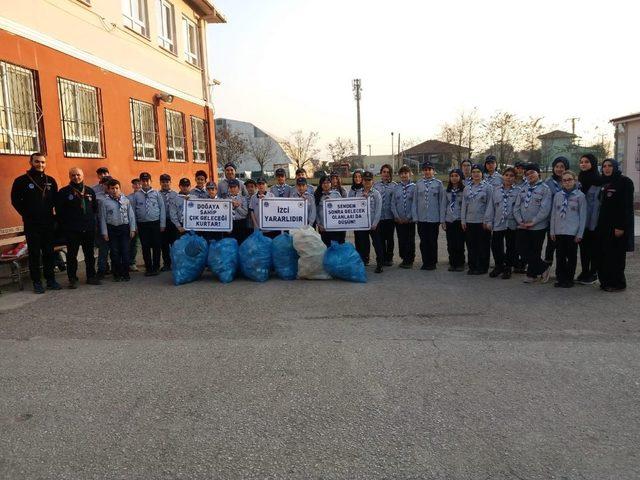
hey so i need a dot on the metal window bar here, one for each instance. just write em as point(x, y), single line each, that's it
point(82, 127)
point(143, 131)
point(20, 114)
point(175, 136)
point(199, 138)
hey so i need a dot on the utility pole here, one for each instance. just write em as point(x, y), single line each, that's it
point(356, 86)
point(369, 149)
point(392, 144)
point(398, 160)
point(573, 121)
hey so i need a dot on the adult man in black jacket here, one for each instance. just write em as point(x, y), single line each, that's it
point(33, 196)
point(76, 208)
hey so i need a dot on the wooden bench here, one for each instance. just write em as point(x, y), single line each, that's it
point(19, 265)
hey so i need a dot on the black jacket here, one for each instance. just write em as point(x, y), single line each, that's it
point(33, 196)
point(75, 212)
point(616, 208)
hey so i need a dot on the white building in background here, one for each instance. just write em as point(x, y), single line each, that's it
point(247, 162)
point(627, 148)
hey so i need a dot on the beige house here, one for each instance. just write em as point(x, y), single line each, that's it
point(627, 148)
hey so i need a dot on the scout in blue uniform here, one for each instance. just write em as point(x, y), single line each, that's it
point(465, 166)
point(200, 190)
point(151, 217)
point(133, 245)
point(521, 181)
point(402, 206)
point(500, 220)
point(240, 210)
point(230, 174)
point(532, 211)
point(254, 205)
point(323, 193)
point(170, 233)
point(281, 189)
point(362, 187)
point(118, 227)
point(176, 208)
point(251, 187)
point(101, 172)
point(491, 175)
point(568, 220)
point(451, 220)
point(303, 193)
point(102, 263)
point(427, 202)
point(386, 225)
point(473, 209)
point(554, 182)
point(590, 182)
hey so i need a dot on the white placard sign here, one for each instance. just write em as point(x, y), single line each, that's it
point(282, 213)
point(208, 215)
point(347, 214)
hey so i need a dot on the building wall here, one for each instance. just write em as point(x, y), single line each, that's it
point(99, 30)
point(115, 92)
point(628, 152)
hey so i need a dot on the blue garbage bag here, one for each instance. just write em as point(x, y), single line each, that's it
point(223, 259)
point(285, 257)
point(255, 257)
point(343, 261)
point(188, 258)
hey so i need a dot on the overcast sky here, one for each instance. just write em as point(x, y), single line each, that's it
point(288, 64)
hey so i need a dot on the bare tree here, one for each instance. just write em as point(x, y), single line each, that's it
point(462, 133)
point(504, 132)
point(340, 148)
point(262, 149)
point(532, 128)
point(301, 148)
point(229, 145)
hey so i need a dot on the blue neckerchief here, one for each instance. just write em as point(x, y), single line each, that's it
point(565, 202)
point(404, 195)
point(454, 194)
point(473, 193)
point(427, 186)
point(505, 202)
point(530, 189)
point(124, 212)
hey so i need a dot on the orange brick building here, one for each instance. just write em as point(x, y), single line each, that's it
point(91, 83)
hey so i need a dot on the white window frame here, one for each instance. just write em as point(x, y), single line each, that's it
point(149, 137)
point(200, 155)
point(8, 89)
point(190, 30)
point(176, 138)
point(72, 116)
point(166, 25)
point(135, 16)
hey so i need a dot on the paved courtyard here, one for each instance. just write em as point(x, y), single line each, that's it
point(413, 375)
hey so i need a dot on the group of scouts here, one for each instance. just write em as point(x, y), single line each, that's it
point(482, 211)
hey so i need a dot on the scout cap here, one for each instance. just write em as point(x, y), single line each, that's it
point(367, 176)
point(280, 172)
point(145, 176)
point(261, 180)
point(532, 166)
point(490, 159)
point(426, 165)
point(230, 164)
point(301, 181)
point(165, 177)
point(212, 185)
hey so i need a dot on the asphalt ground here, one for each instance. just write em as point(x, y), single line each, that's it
point(414, 375)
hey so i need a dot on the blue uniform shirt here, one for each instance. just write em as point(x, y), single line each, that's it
point(427, 200)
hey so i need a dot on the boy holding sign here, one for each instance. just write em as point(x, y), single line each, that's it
point(254, 204)
point(303, 192)
point(362, 236)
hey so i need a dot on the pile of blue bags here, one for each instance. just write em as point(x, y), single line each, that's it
point(188, 258)
point(255, 257)
point(223, 259)
point(343, 261)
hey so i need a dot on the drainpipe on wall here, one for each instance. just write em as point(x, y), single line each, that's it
point(202, 32)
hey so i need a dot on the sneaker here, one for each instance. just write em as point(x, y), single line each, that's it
point(53, 285)
point(116, 278)
point(520, 270)
point(72, 285)
point(93, 281)
point(529, 279)
point(495, 272)
point(406, 265)
point(506, 275)
point(378, 269)
point(557, 284)
point(133, 268)
point(388, 263)
point(587, 279)
point(126, 278)
point(38, 288)
point(165, 268)
point(545, 275)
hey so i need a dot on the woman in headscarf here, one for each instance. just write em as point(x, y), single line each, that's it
point(590, 182)
point(615, 226)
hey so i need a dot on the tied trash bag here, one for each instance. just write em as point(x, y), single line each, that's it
point(344, 262)
point(188, 258)
point(310, 248)
point(255, 257)
point(285, 257)
point(223, 259)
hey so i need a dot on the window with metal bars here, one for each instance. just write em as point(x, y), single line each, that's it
point(20, 112)
point(175, 136)
point(143, 130)
point(81, 115)
point(199, 137)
